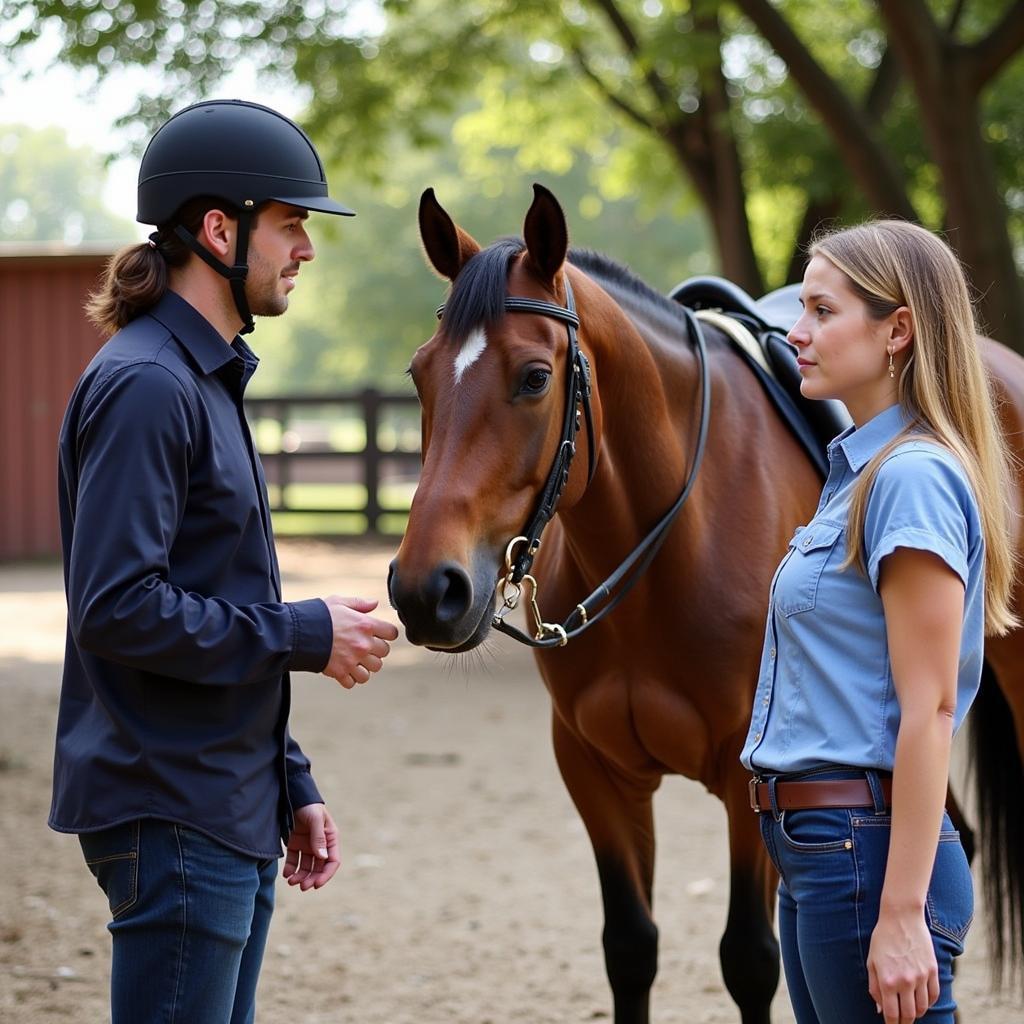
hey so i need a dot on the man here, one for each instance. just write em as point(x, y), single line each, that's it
point(173, 759)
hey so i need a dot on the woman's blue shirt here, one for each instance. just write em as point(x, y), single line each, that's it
point(825, 692)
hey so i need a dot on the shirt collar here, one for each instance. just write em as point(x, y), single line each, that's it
point(195, 333)
point(859, 444)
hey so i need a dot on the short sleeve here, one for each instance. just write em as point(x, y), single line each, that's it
point(920, 499)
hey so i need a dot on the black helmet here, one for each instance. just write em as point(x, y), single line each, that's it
point(241, 152)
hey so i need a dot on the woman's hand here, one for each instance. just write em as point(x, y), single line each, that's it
point(903, 977)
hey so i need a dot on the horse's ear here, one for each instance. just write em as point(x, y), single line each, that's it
point(448, 247)
point(546, 235)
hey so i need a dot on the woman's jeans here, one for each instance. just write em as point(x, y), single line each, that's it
point(190, 920)
point(831, 865)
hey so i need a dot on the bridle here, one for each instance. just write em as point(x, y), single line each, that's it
point(517, 578)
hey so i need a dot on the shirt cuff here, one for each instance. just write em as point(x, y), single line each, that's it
point(312, 635)
point(302, 790)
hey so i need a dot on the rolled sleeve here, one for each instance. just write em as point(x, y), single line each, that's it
point(920, 499)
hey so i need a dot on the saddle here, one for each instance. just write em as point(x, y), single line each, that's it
point(758, 329)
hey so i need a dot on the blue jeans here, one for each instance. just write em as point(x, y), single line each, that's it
point(831, 865)
point(189, 923)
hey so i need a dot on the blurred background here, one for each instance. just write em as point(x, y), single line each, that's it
point(682, 137)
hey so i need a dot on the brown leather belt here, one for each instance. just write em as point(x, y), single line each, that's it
point(807, 793)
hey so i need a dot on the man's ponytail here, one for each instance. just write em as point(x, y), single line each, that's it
point(135, 281)
point(136, 276)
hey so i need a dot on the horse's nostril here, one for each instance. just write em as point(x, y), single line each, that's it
point(454, 594)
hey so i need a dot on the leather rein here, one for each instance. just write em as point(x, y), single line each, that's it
point(517, 581)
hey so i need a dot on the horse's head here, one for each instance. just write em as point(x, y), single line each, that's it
point(493, 387)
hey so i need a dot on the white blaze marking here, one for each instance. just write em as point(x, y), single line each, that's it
point(472, 347)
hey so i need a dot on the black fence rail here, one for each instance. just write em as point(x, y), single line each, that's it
point(341, 463)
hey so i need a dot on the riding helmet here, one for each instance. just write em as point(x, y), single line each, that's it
point(234, 150)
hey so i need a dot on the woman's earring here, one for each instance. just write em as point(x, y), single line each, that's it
point(892, 369)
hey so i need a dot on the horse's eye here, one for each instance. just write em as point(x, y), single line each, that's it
point(535, 382)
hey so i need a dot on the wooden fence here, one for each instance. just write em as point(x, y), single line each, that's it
point(341, 463)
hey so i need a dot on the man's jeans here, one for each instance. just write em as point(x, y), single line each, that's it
point(190, 920)
point(831, 865)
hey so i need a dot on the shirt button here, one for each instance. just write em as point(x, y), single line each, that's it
point(757, 736)
point(807, 540)
point(765, 702)
point(771, 653)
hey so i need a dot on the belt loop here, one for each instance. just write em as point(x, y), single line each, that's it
point(875, 785)
point(772, 801)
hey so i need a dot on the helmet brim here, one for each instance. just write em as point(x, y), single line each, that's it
point(320, 204)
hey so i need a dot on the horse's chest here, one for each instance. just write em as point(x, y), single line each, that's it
point(638, 724)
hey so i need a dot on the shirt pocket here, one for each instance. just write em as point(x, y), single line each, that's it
point(796, 588)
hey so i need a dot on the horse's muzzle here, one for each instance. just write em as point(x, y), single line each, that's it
point(445, 608)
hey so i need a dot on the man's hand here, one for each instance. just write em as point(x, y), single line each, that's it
point(360, 640)
point(313, 855)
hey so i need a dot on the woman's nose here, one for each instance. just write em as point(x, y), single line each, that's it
point(798, 332)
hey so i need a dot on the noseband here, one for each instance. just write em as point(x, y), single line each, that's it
point(577, 400)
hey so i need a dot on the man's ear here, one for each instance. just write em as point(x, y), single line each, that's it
point(218, 232)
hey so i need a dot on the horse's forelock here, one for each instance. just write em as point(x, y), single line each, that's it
point(478, 295)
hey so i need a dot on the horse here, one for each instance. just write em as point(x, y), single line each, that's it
point(533, 335)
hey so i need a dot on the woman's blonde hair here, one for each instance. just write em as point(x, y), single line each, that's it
point(943, 387)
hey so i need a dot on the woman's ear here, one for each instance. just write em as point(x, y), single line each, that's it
point(901, 329)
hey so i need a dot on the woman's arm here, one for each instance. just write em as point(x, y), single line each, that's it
point(923, 600)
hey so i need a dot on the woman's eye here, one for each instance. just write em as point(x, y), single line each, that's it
point(535, 382)
point(822, 311)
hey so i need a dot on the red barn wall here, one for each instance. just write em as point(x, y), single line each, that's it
point(45, 343)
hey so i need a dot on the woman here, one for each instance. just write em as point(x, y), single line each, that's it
point(873, 646)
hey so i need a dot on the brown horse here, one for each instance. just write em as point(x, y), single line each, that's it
point(664, 683)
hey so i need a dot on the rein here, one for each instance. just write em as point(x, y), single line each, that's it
point(517, 580)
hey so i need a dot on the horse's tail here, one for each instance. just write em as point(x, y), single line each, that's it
point(999, 780)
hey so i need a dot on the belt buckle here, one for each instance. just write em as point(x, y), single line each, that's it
point(752, 789)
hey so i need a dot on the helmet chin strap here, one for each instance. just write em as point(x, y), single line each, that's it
point(235, 275)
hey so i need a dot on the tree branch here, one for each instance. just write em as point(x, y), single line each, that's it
point(989, 55)
point(614, 98)
point(631, 43)
point(849, 128)
point(883, 87)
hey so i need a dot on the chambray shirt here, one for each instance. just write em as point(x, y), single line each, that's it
point(175, 696)
point(825, 693)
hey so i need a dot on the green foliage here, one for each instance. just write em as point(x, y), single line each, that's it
point(367, 301)
point(526, 87)
point(49, 190)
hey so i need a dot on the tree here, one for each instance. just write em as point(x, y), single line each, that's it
point(367, 301)
point(754, 103)
point(49, 190)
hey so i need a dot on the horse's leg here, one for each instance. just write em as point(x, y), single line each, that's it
point(617, 812)
point(749, 950)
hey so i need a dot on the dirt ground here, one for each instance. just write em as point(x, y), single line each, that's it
point(468, 892)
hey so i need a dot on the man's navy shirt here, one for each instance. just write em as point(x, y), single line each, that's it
point(175, 696)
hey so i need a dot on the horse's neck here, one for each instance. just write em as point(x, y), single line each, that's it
point(648, 389)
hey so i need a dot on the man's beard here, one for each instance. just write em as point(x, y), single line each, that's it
point(262, 289)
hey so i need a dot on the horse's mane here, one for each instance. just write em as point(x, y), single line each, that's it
point(478, 295)
point(618, 278)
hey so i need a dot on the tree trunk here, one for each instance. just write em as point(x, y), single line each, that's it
point(942, 76)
